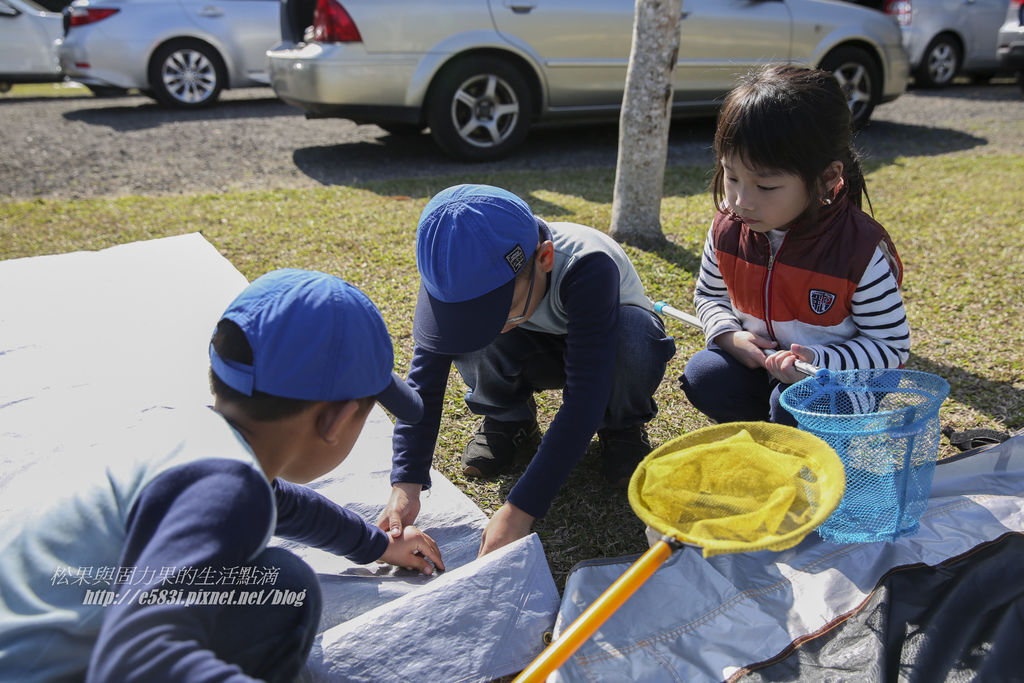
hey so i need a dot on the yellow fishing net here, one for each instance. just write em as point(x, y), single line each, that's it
point(738, 487)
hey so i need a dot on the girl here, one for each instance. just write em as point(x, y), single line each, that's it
point(791, 264)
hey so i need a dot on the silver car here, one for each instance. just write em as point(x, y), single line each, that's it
point(945, 38)
point(180, 52)
point(479, 72)
point(28, 44)
point(1010, 44)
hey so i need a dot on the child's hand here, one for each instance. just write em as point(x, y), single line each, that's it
point(411, 550)
point(746, 347)
point(782, 365)
point(508, 524)
point(403, 507)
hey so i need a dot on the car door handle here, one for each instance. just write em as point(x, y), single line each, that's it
point(520, 7)
point(211, 11)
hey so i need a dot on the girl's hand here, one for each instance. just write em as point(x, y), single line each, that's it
point(782, 365)
point(412, 550)
point(746, 347)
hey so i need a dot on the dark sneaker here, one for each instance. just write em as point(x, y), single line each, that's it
point(496, 446)
point(621, 451)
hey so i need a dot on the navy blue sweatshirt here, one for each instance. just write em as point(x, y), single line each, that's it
point(210, 513)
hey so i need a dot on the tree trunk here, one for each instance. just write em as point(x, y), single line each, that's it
point(644, 124)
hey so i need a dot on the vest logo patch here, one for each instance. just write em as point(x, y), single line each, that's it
point(516, 258)
point(821, 301)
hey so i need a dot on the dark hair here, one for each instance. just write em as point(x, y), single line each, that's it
point(230, 342)
point(791, 119)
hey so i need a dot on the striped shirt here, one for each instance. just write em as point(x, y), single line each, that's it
point(833, 287)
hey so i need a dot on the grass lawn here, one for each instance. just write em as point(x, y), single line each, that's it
point(956, 220)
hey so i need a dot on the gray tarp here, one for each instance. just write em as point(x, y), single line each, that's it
point(701, 620)
point(89, 341)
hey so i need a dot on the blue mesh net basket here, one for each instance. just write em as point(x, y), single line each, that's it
point(884, 424)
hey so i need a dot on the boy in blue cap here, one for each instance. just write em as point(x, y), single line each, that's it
point(154, 564)
point(519, 306)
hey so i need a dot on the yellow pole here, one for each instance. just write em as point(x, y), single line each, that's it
point(556, 654)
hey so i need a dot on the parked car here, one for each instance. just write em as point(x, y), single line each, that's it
point(1010, 43)
point(180, 52)
point(945, 38)
point(479, 72)
point(53, 5)
point(28, 44)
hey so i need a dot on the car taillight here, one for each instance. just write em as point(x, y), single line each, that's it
point(332, 24)
point(900, 10)
point(89, 15)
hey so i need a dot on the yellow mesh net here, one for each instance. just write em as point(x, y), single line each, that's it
point(738, 487)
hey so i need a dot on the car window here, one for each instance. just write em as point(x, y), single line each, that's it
point(34, 5)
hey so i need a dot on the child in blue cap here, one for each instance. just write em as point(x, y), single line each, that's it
point(519, 306)
point(165, 540)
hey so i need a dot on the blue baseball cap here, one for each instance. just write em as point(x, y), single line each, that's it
point(471, 242)
point(317, 338)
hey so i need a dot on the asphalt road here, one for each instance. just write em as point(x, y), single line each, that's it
point(71, 147)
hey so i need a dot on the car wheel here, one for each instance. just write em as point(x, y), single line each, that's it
point(479, 109)
point(186, 74)
point(859, 79)
point(940, 63)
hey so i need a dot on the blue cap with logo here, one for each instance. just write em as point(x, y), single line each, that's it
point(314, 337)
point(471, 242)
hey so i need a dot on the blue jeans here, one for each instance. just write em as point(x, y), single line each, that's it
point(503, 375)
point(725, 390)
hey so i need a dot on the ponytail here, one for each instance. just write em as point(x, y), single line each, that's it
point(853, 174)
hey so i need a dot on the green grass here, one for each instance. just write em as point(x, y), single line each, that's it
point(957, 221)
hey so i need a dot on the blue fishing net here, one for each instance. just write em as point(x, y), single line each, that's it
point(884, 424)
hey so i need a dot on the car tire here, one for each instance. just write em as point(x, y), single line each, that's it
point(859, 78)
point(940, 63)
point(187, 74)
point(479, 109)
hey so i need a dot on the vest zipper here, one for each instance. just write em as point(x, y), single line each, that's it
point(768, 285)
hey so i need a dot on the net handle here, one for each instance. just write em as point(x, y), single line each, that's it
point(558, 652)
point(693, 321)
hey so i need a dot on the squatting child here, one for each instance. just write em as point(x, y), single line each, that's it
point(791, 264)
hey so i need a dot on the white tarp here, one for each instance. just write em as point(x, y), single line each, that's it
point(89, 341)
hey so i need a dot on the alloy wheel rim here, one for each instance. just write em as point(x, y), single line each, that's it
point(485, 110)
point(189, 76)
point(941, 63)
point(855, 82)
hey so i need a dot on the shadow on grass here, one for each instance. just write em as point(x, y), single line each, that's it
point(884, 140)
point(1005, 90)
point(1000, 401)
point(581, 148)
point(587, 514)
